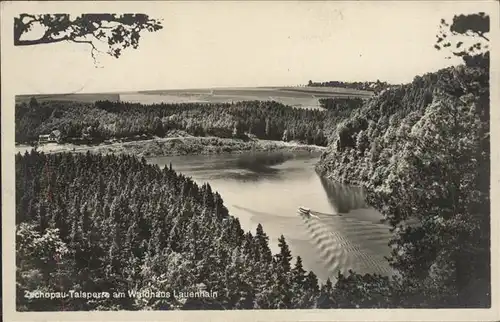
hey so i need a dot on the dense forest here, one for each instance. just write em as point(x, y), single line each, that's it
point(106, 120)
point(112, 223)
point(340, 105)
point(422, 151)
point(376, 87)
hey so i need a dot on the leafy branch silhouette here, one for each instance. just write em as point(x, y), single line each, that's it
point(116, 31)
point(475, 26)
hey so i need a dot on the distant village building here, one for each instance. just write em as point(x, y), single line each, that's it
point(54, 136)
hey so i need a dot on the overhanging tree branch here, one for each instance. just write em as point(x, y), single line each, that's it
point(451, 36)
point(117, 31)
point(483, 36)
point(93, 50)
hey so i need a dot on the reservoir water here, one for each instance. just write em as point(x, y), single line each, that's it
point(268, 188)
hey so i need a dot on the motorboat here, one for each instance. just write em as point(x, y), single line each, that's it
point(305, 211)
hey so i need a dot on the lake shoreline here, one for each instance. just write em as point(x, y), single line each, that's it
point(180, 145)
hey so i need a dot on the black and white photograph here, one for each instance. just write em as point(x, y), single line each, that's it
point(296, 159)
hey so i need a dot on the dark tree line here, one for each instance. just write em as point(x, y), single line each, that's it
point(365, 86)
point(106, 120)
point(341, 105)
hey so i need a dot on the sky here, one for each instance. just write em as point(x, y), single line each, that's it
point(237, 44)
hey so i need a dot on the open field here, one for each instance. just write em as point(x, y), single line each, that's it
point(304, 91)
point(91, 97)
point(303, 97)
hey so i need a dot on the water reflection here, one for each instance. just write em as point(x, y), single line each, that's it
point(268, 188)
point(343, 198)
point(262, 161)
point(245, 167)
point(243, 176)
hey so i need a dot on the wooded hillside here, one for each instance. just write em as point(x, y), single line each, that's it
point(105, 120)
point(422, 151)
point(112, 223)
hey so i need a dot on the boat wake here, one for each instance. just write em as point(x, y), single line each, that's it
point(347, 243)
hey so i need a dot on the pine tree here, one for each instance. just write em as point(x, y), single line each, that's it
point(284, 257)
point(326, 299)
point(282, 290)
point(263, 252)
point(298, 284)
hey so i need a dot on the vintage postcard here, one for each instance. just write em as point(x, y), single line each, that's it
point(250, 160)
